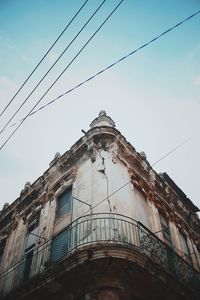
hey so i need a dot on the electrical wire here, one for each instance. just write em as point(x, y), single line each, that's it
point(110, 66)
point(105, 199)
point(174, 149)
point(45, 55)
point(170, 152)
point(62, 72)
point(125, 184)
point(53, 65)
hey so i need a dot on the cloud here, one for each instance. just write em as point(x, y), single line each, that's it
point(197, 48)
point(6, 84)
point(25, 58)
point(197, 80)
point(10, 45)
point(195, 51)
point(52, 57)
point(7, 88)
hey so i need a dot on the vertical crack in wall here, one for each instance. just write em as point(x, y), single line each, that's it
point(103, 171)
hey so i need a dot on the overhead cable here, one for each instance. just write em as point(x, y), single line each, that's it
point(93, 35)
point(45, 55)
point(56, 61)
point(125, 184)
point(108, 196)
point(109, 67)
point(171, 151)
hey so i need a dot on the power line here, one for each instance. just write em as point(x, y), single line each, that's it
point(171, 151)
point(116, 191)
point(71, 42)
point(110, 66)
point(45, 55)
point(63, 72)
point(90, 78)
point(125, 184)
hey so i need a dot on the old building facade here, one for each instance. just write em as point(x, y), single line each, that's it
point(100, 223)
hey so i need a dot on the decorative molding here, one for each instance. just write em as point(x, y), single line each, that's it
point(15, 220)
point(69, 175)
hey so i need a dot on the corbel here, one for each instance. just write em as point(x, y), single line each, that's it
point(151, 196)
point(15, 220)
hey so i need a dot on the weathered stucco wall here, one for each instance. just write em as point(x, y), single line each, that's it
point(96, 166)
point(95, 180)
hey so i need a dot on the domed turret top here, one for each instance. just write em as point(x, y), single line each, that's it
point(102, 120)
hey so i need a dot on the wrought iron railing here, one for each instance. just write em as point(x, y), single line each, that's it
point(25, 268)
point(98, 228)
point(165, 256)
point(112, 228)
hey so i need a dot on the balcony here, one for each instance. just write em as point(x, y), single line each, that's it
point(99, 229)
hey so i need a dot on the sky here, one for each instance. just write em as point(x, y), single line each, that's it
point(153, 96)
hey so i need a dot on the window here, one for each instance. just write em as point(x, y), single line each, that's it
point(32, 234)
point(185, 248)
point(2, 247)
point(142, 209)
point(31, 240)
point(28, 265)
point(165, 230)
point(198, 251)
point(64, 203)
point(60, 245)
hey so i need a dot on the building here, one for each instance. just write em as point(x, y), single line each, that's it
point(100, 223)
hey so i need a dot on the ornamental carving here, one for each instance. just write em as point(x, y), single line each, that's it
point(92, 151)
point(15, 220)
point(151, 196)
point(113, 148)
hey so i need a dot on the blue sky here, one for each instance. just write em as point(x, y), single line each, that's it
point(153, 96)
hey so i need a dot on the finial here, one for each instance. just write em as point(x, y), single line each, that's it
point(102, 113)
point(102, 120)
point(27, 185)
point(57, 155)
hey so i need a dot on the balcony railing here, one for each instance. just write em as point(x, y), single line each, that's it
point(93, 229)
